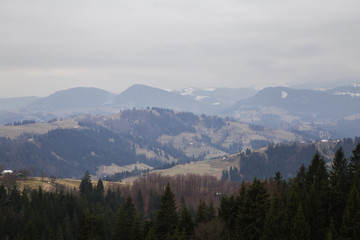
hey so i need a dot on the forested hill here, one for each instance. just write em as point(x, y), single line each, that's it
point(288, 158)
point(315, 204)
point(153, 137)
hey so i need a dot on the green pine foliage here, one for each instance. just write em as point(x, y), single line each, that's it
point(318, 203)
point(167, 218)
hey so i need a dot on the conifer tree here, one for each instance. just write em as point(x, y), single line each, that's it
point(316, 209)
point(30, 232)
point(339, 183)
point(252, 213)
point(91, 227)
point(186, 222)
point(100, 186)
point(166, 218)
point(275, 223)
point(201, 213)
point(355, 159)
point(85, 185)
point(136, 231)
point(350, 228)
point(124, 220)
point(300, 229)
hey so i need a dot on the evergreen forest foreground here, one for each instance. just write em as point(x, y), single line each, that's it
point(320, 202)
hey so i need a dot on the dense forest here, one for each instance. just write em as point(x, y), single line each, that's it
point(286, 158)
point(318, 203)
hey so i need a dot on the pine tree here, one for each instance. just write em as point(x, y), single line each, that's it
point(355, 159)
point(201, 213)
point(339, 183)
point(300, 229)
point(275, 223)
point(85, 185)
point(30, 232)
point(91, 228)
point(136, 231)
point(186, 222)
point(350, 228)
point(124, 220)
point(252, 213)
point(316, 209)
point(100, 186)
point(166, 218)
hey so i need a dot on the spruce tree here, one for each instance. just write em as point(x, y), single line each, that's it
point(339, 187)
point(201, 213)
point(300, 229)
point(124, 220)
point(252, 213)
point(355, 159)
point(275, 223)
point(100, 186)
point(85, 185)
point(30, 232)
point(186, 222)
point(166, 218)
point(350, 228)
point(316, 209)
point(91, 227)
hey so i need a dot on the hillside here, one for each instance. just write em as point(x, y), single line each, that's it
point(152, 137)
point(319, 114)
point(313, 114)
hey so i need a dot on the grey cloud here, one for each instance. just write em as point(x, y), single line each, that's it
point(170, 44)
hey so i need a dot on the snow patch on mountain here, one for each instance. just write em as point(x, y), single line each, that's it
point(187, 91)
point(201, 98)
point(351, 94)
point(210, 89)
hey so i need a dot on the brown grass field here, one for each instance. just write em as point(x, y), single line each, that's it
point(36, 128)
point(65, 184)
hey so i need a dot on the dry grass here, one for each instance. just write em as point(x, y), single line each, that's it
point(37, 128)
point(70, 184)
point(208, 167)
point(113, 168)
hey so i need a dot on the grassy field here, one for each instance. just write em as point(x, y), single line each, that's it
point(209, 167)
point(113, 168)
point(37, 128)
point(46, 185)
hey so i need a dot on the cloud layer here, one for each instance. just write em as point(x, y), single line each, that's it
point(51, 45)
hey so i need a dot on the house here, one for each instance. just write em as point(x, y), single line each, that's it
point(7, 172)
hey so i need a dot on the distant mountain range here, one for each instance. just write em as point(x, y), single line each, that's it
point(81, 100)
point(319, 113)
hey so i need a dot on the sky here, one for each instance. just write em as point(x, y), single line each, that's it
point(46, 46)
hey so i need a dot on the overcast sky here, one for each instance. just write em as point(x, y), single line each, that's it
point(47, 46)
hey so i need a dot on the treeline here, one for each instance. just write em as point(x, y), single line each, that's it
point(19, 123)
point(149, 209)
point(316, 204)
point(286, 158)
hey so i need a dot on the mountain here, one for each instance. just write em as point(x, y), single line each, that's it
point(74, 98)
point(15, 103)
point(305, 110)
point(155, 137)
point(308, 104)
point(141, 96)
point(314, 114)
point(216, 99)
